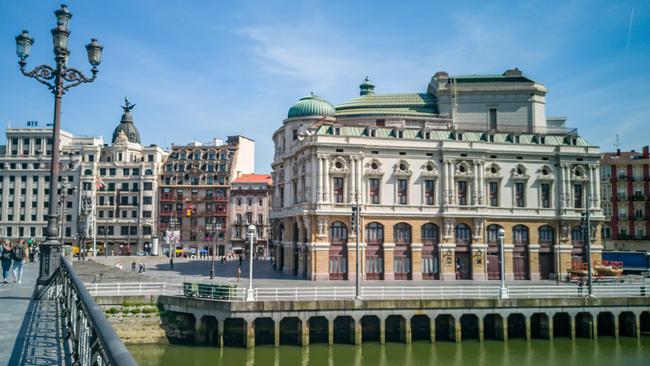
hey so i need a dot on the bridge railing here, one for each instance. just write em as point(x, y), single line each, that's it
point(382, 292)
point(91, 337)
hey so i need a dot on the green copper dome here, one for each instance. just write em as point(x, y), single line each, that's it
point(312, 105)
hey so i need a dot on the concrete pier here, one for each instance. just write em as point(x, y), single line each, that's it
point(405, 321)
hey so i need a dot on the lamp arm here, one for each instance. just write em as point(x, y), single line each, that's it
point(42, 73)
point(76, 77)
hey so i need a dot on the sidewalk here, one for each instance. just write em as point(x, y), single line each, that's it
point(30, 331)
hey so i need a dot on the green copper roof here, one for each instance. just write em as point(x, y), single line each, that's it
point(311, 105)
point(407, 104)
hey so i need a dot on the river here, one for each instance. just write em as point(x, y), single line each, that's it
point(564, 352)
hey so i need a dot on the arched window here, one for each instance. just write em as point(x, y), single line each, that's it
point(148, 172)
point(374, 233)
point(546, 234)
point(88, 172)
point(493, 234)
point(338, 232)
point(463, 234)
point(520, 234)
point(402, 233)
point(430, 233)
point(577, 236)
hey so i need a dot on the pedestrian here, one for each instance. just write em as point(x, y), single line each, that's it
point(5, 258)
point(140, 267)
point(31, 255)
point(18, 255)
point(580, 287)
point(238, 273)
point(241, 259)
point(143, 267)
point(133, 266)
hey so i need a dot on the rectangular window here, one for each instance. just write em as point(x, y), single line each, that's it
point(520, 199)
point(494, 194)
point(577, 195)
point(546, 195)
point(429, 191)
point(338, 190)
point(462, 193)
point(402, 191)
point(260, 218)
point(374, 190)
point(493, 118)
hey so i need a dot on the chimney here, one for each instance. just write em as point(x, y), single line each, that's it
point(618, 152)
point(646, 153)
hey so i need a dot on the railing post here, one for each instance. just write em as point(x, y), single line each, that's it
point(118, 289)
point(140, 289)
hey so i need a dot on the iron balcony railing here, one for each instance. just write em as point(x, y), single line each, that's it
point(92, 339)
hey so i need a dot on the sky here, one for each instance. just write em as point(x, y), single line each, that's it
point(198, 70)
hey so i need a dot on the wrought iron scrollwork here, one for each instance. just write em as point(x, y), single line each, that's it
point(42, 73)
point(76, 77)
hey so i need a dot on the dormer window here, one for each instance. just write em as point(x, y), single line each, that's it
point(400, 134)
point(373, 133)
point(459, 137)
point(542, 140)
point(337, 131)
point(427, 135)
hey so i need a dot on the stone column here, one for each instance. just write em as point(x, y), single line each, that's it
point(276, 333)
point(594, 326)
point(389, 252)
point(572, 326)
point(457, 329)
point(527, 324)
point(616, 325)
point(319, 181)
point(504, 323)
point(359, 176)
point(416, 261)
point(550, 327)
point(478, 261)
point(250, 334)
point(304, 340)
point(315, 168)
point(432, 329)
point(220, 332)
point(637, 325)
point(481, 186)
point(597, 189)
point(352, 261)
point(350, 179)
point(452, 188)
point(481, 329)
point(474, 198)
point(408, 334)
point(382, 330)
point(357, 331)
point(444, 181)
point(330, 331)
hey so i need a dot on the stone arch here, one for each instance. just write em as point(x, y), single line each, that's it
point(516, 325)
point(493, 327)
point(290, 330)
point(395, 328)
point(605, 324)
point(208, 331)
point(344, 329)
point(644, 322)
point(539, 326)
point(520, 256)
point(234, 332)
point(562, 325)
point(445, 328)
point(627, 324)
point(421, 328)
point(370, 328)
point(584, 323)
point(469, 327)
point(318, 329)
point(463, 252)
point(264, 331)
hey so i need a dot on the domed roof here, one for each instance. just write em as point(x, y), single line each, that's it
point(312, 105)
point(126, 125)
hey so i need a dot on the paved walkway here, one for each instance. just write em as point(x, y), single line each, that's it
point(30, 330)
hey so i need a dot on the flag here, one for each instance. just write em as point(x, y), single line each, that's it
point(99, 183)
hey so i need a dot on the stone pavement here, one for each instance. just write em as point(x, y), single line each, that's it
point(30, 329)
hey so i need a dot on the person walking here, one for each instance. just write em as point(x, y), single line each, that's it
point(580, 287)
point(133, 266)
point(5, 258)
point(18, 255)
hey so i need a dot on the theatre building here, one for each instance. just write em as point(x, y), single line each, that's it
point(437, 173)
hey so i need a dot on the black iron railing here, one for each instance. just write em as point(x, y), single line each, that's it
point(92, 340)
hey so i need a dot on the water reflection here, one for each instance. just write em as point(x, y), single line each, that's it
point(581, 352)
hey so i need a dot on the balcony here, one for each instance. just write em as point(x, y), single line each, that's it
point(621, 197)
point(639, 197)
point(166, 198)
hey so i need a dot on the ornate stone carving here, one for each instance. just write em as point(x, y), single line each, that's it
point(478, 228)
point(449, 227)
point(565, 230)
point(339, 166)
point(519, 172)
point(402, 169)
point(322, 226)
point(493, 171)
point(579, 173)
point(463, 169)
point(373, 167)
point(430, 169)
point(545, 173)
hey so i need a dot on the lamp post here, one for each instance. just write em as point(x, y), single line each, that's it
point(250, 295)
point(213, 235)
point(59, 79)
point(503, 290)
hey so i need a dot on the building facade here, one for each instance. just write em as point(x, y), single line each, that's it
point(250, 202)
point(194, 193)
point(436, 173)
point(626, 200)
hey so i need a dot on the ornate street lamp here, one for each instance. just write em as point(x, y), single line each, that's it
point(250, 294)
point(503, 290)
point(59, 79)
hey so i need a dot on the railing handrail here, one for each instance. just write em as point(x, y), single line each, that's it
point(114, 348)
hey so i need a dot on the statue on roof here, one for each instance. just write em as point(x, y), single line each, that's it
point(127, 106)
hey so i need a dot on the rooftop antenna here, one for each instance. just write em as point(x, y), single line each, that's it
point(618, 142)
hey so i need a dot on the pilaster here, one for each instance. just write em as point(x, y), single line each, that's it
point(416, 261)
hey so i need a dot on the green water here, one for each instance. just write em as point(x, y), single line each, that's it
point(582, 352)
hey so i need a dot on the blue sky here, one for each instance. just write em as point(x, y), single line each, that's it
point(203, 69)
